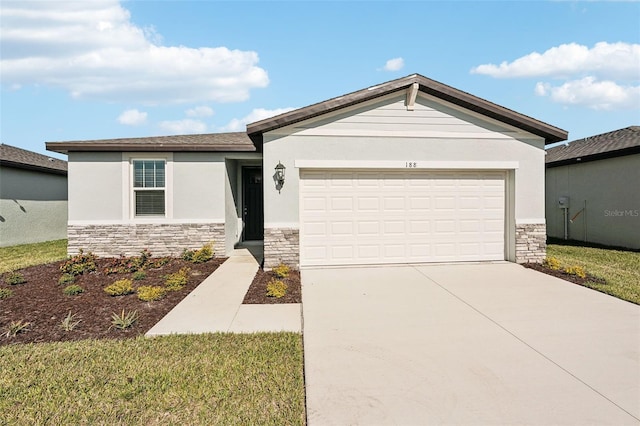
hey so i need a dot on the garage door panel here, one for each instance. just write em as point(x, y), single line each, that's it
point(377, 217)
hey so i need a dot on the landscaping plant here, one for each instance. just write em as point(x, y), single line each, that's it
point(281, 271)
point(150, 293)
point(69, 322)
point(120, 288)
point(276, 288)
point(124, 320)
point(72, 290)
point(15, 278)
point(16, 327)
point(5, 293)
point(79, 264)
point(178, 279)
point(67, 279)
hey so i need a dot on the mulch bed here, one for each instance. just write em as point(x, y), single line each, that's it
point(559, 273)
point(257, 293)
point(40, 301)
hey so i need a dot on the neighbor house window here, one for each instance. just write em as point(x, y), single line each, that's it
point(149, 187)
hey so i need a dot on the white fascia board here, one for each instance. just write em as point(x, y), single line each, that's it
point(411, 165)
point(146, 221)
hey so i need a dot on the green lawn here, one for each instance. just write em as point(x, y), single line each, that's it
point(17, 257)
point(224, 379)
point(621, 269)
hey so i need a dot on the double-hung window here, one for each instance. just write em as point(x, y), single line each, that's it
point(149, 187)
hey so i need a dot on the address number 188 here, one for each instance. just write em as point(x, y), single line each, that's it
point(411, 165)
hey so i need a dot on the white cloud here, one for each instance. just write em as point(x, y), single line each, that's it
point(181, 127)
point(92, 50)
point(239, 124)
point(132, 117)
point(199, 111)
point(394, 64)
point(603, 77)
point(594, 94)
point(605, 60)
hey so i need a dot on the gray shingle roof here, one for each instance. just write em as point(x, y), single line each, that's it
point(442, 91)
point(606, 145)
point(11, 156)
point(237, 141)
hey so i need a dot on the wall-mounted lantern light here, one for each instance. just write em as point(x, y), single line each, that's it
point(280, 168)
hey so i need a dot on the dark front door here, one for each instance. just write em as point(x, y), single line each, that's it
point(253, 207)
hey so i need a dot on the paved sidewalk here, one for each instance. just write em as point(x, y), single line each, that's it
point(216, 305)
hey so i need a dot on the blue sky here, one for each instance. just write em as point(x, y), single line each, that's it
point(108, 69)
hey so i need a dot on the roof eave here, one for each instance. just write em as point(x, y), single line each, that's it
point(32, 167)
point(594, 157)
point(66, 147)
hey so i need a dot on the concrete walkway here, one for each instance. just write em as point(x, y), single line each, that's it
point(216, 304)
point(466, 344)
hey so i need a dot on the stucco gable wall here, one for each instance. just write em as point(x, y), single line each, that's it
point(610, 189)
point(383, 130)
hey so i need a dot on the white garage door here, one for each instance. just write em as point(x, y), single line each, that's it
point(380, 217)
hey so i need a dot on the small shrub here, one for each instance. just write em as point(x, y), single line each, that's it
point(150, 293)
point(79, 264)
point(67, 279)
point(69, 322)
point(124, 320)
point(5, 293)
point(119, 288)
point(576, 270)
point(123, 265)
point(15, 278)
point(552, 263)
point(177, 280)
point(17, 327)
point(281, 271)
point(198, 256)
point(72, 290)
point(276, 288)
point(159, 262)
point(139, 275)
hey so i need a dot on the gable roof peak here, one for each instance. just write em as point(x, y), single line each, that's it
point(434, 88)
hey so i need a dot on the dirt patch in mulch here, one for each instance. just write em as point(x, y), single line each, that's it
point(40, 302)
point(257, 293)
point(559, 273)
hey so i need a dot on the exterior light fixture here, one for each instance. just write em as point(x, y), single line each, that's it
point(280, 168)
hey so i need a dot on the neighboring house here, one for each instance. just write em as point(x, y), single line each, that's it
point(33, 197)
point(598, 181)
point(408, 171)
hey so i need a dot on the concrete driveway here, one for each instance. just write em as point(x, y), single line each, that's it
point(466, 344)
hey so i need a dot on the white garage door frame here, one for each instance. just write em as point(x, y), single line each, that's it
point(507, 168)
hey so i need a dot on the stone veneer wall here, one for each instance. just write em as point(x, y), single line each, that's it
point(531, 243)
point(161, 239)
point(281, 245)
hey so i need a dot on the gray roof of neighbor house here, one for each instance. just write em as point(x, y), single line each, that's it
point(237, 141)
point(11, 156)
point(606, 145)
point(439, 90)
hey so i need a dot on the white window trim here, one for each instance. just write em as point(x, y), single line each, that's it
point(128, 192)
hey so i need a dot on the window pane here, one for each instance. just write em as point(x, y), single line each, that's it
point(159, 174)
point(149, 174)
point(138, 174)
point(149, 203)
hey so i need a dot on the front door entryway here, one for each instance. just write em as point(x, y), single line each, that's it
point(252, 203)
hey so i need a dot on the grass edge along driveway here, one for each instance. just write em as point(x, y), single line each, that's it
point(195, 379)
point(621, 269)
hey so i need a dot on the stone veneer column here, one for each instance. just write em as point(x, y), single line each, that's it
point(281, 245)
point(161, 239)
point(531, 243)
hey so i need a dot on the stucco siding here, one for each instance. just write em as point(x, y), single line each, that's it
point(232, 195)
point(33, 206)
point(198, 186)
point(95, 186)
point(609, 188)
